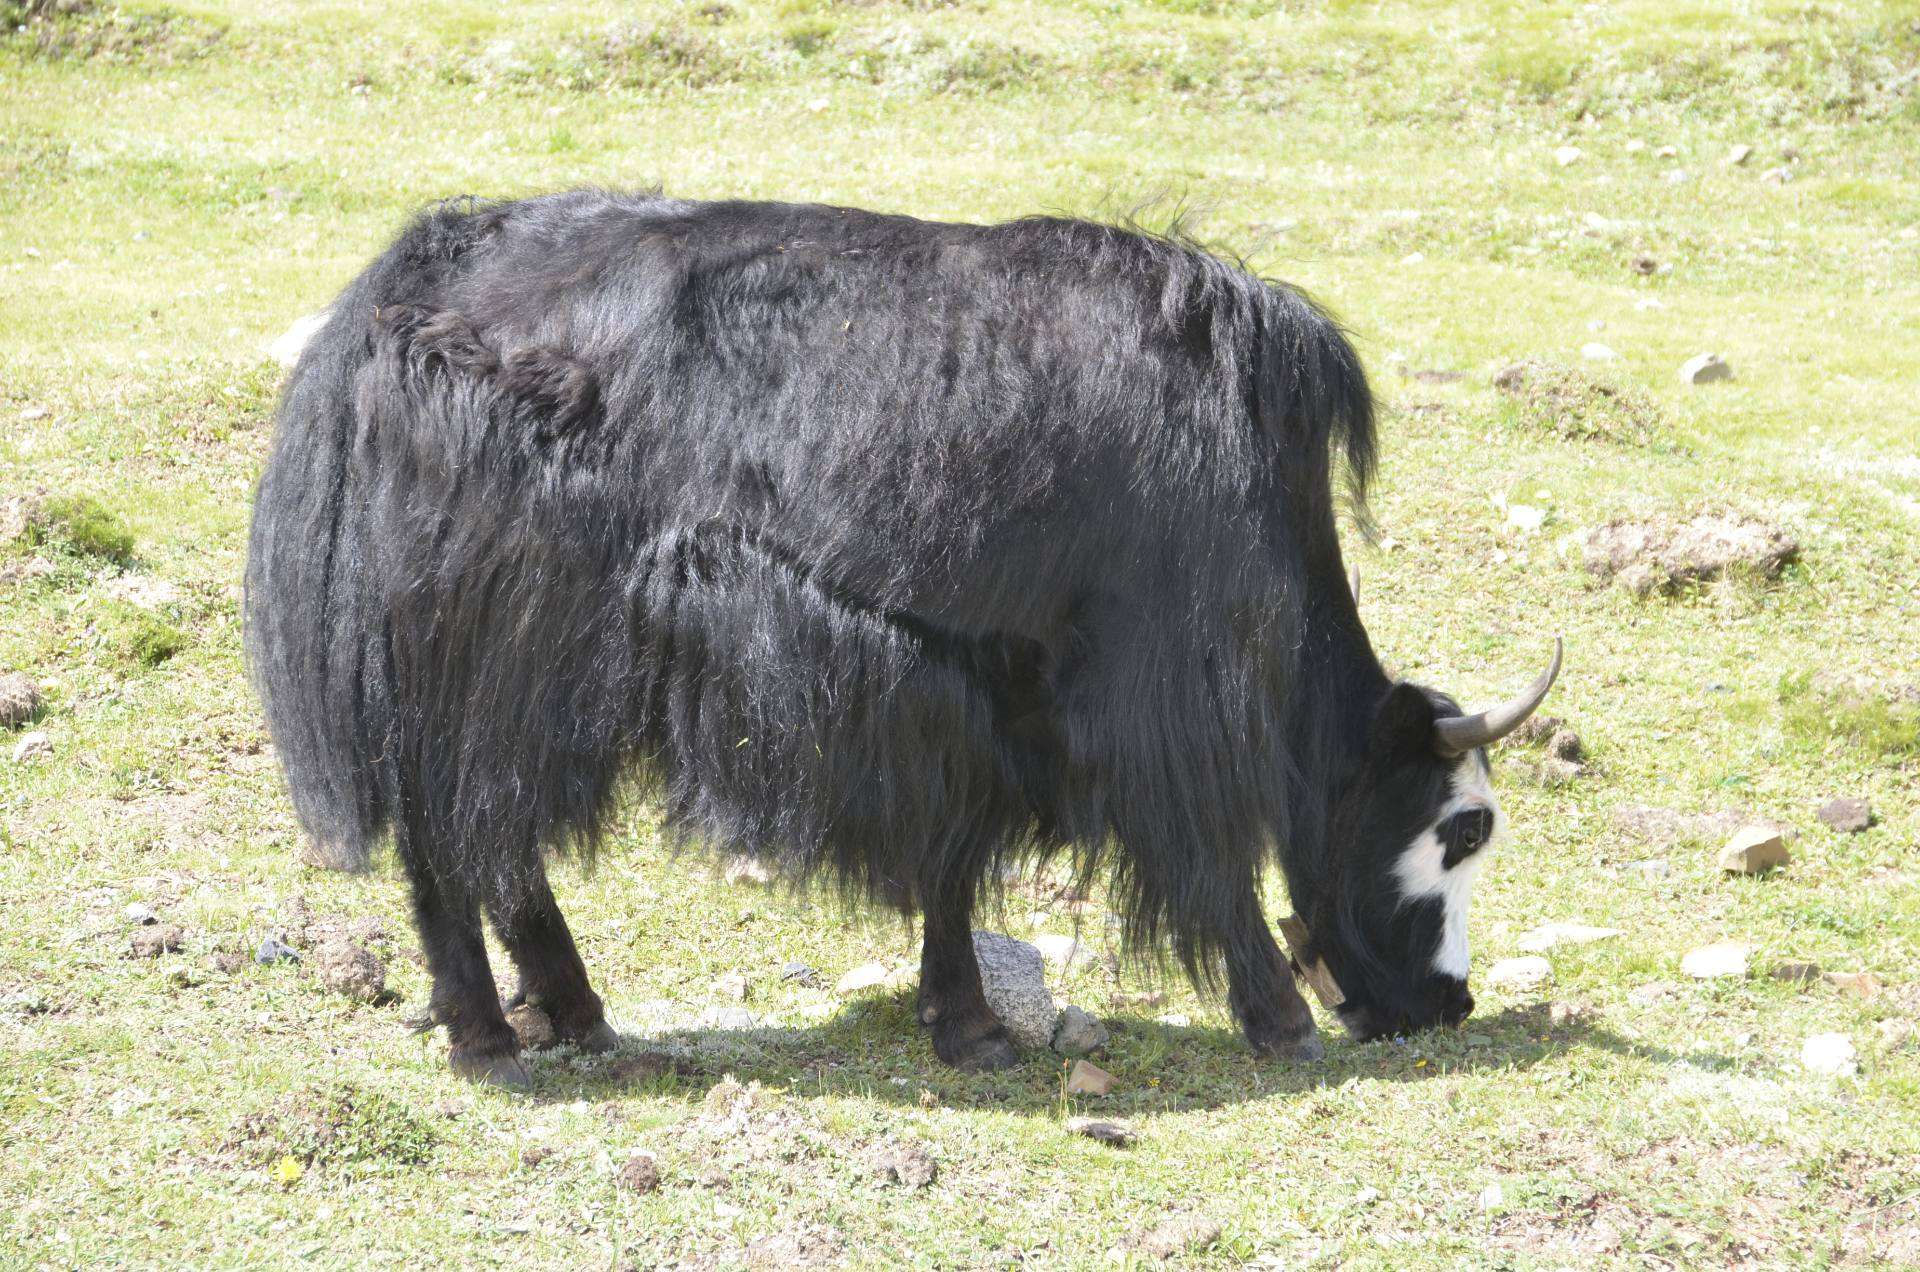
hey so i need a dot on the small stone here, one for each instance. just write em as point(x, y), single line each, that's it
point(1548, 935)
point(798, 973)
point(747, 871)
point(1561, 1015)
point(733, 985)
point(1566, 155)
point(1753, 850)
point(1831, 1054)
point(1013, 977)
point(1634, 146)
point(532, 1157)
point(1739, 154)
point(1651, 993)
point(862, 978)
point(1413, 258)
point(1795, 971)
point(533, 1027)
point(1776, 176)
point(31, 746)
point(1647, 304)
point(1895, 1033)
point(1106, 1130)
point(1142, 998)
point(640, 1173)
point(1594, 351)
point(1170, 1239)
point(727, 1018)
point(152, 942)
point(1644, 264)
point(909, 1165)
point(346, 968)
point(1530, 972)
point(1847, 815)
point(1722, 958)
point(1079, 1032)
point(1657, 868)
point(34, 413)
point(1087, 1078)
point(227, 963)
point(1174, 1020)
point(140, 914)
point(19, 699)
point(1062, 951)
point(1705, 368)
point(1666, 152)
point(273, 950)
point(1862, 985)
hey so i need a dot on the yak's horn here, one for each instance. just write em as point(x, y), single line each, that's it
point(1456, 735)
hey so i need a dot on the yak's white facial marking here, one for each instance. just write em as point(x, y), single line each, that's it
point(1423, 873)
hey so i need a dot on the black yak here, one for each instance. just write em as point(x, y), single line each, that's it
point(886, 550)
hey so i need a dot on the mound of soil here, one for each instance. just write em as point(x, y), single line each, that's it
point(1668, 556)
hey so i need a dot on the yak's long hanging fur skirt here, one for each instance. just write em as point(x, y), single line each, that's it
point(882, 547)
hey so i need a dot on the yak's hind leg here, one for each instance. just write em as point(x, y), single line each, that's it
point(966, 1033)
point(552, 975)
point(483, 1046)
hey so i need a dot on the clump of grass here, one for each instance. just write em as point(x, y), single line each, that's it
point(79, 30)
point(81, 526)
point(339, 1125)
point(1554, 400)
point(1871, 725)
point(138, 635)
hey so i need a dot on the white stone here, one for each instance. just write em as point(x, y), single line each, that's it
point(1548, 935)
point(1525, 517)
point(1722, 958)
point(1739, 154)
point(1079, 1033)
point(1566, 155)
point(1063, 951)
point(1704, 369)
point(1530, 972)
point(1829, 1053)
point(1594, 351)
point(1648, 303)
point(286, 349)
point(864, 977)
point(1413, 258)
point(31, 746)
point(1014, 977)
point(1634, 145)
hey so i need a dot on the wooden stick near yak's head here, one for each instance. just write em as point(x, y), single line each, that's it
point(1311, 970)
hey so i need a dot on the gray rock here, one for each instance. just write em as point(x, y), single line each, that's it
point(19, 699)
point(798, 973)
point(141, 914)
point(1079, 1033)
point(1014, 977)
point(32, 746)
point(1848, 815)
point(1705, 368)
point(274, 950)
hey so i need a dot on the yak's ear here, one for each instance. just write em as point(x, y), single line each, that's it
point(1403, 721)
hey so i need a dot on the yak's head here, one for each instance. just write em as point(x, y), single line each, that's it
point(1384, 937)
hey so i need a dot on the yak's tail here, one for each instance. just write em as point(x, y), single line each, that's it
point(314, 620)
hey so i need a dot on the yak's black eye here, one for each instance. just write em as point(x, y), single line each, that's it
point(1462, 834)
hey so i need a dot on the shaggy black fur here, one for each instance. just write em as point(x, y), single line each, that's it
point(887, 549)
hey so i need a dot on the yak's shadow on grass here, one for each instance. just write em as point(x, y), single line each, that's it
point(875, 1050)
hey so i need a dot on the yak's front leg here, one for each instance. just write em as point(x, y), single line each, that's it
point(552, 975)
point(966, 1033)
point(1261, 992)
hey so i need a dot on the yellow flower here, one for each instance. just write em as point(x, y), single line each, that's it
point(287, 1171)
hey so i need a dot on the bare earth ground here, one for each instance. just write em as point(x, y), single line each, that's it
point(176, 185)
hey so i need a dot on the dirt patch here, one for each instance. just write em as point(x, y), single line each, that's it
point(906, 1164)
point(349, 969)
point(1171, 1238)
point(1667, 556)
point(1553, 400)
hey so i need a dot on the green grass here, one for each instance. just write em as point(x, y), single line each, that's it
point(176, 185)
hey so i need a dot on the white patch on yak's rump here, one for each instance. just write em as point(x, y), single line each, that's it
point(1423, 874)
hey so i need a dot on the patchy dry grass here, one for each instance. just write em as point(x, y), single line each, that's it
point(176, 184)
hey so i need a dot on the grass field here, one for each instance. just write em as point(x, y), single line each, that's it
point(177, 185)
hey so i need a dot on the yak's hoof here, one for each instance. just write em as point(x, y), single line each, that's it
point(506, 1071)
point(1296, 1048)
point(983, 1053)
point(598, 1040)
